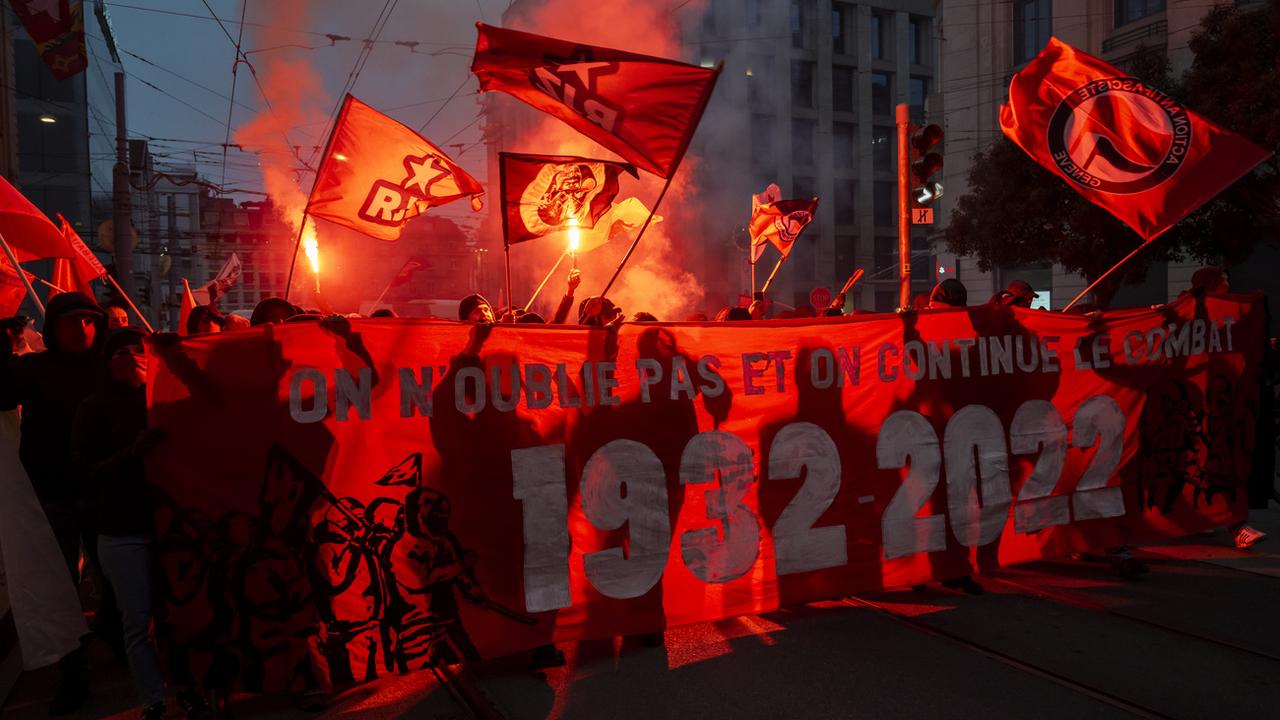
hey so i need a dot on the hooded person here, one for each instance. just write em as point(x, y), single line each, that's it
point(49, 386)
point(475, 308)
point(272, 311)
point(949, 293)
point(109, 441)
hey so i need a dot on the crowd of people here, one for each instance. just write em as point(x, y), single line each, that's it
point(85, 436)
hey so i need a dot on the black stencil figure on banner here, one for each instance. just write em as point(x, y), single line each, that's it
point(567, 194)
point(1190, 440)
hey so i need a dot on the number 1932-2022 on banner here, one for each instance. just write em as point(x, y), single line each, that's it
point(624, 484)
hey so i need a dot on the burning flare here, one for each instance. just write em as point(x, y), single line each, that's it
point(575, 236)
point(311, 247)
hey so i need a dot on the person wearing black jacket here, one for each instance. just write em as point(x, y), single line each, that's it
point(109, 441)
point(49, 386)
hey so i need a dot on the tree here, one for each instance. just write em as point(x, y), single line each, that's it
point(1017, 212)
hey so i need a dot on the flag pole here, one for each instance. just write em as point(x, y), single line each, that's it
point(22, 274)
point(545, 279)
point(506, 243)
point(775, 272)
point(1106, 274)
point(129, 300)
point(297, 245)
point(697, 119)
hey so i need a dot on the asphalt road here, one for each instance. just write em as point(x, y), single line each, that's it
point(1197, 637)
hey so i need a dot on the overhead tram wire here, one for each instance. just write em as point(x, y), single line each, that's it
point(466, 78)
point(366, 49)
point(231, 104)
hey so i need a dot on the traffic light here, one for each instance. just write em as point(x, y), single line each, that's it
point(924, 164)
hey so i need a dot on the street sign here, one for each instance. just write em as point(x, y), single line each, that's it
point(820, 298)
point(922, 216)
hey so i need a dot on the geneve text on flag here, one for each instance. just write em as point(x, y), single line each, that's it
point(643, 108)
point(544, 194)
point(80, 264)
point(780, 223)
point(378, 174)
point(1122, 144)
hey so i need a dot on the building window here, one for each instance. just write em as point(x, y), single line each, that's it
point(881, 93)
point(802, 141)
point(880, 23)
point(843, 140)
point(846, 195)
point(1128, 11)
point(802, 188)
point(842, 79)
point(801, 11)
point(882, 149)
point(762, 139)
point(884, 204)
point(1032, 26)
point(919, 93)
point(918, 39)
point(802, 83)
point(839, 24)
point(759, 74)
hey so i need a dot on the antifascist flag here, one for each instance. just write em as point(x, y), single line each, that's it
point(57, 29)
point(225, 279)
point(80, 266)
point(1119, 142)
point(378, 174)
point(643, 108)
point(408, 270)
point(779, 223)
point(543, 194)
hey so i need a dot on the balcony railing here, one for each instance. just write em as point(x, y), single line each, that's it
point(1160, 29)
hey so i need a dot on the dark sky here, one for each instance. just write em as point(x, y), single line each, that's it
point(198, 51)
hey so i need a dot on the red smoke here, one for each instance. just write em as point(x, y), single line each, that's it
point(661, 277)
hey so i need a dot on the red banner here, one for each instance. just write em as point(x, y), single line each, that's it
point(57, 29)
point(1122, 144)
point(390, 493)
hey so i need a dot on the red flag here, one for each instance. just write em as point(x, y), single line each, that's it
point(57, 29)
point(780, 223)
point(27, 230)
point(12, 289)
point(187, 305)
point(378, 174)
point(643, 108)
point(544, 194)
point(80, 266)
point(771, 194)
point(1121, 143)
point(408, 270)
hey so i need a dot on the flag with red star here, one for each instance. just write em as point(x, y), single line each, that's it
point(378, 174)
point(57, 29)
point(641, 107)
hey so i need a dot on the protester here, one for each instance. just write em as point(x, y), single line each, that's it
point(531, 318)
point(204, 319)
point(234, 322)
point(737, 314)
point(599, 312)
point(1018, 294)
point(832, 312)
point(475, 308)
point(644, 317)
point(117, 317)
point(273, 311)
point(566, 302)
point(920, 301)
point(948, 293)
point(109, 440)
point(49, 386)
point(383, 313)
point(15, 333)
point(697, 317)
point(1209, 279)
